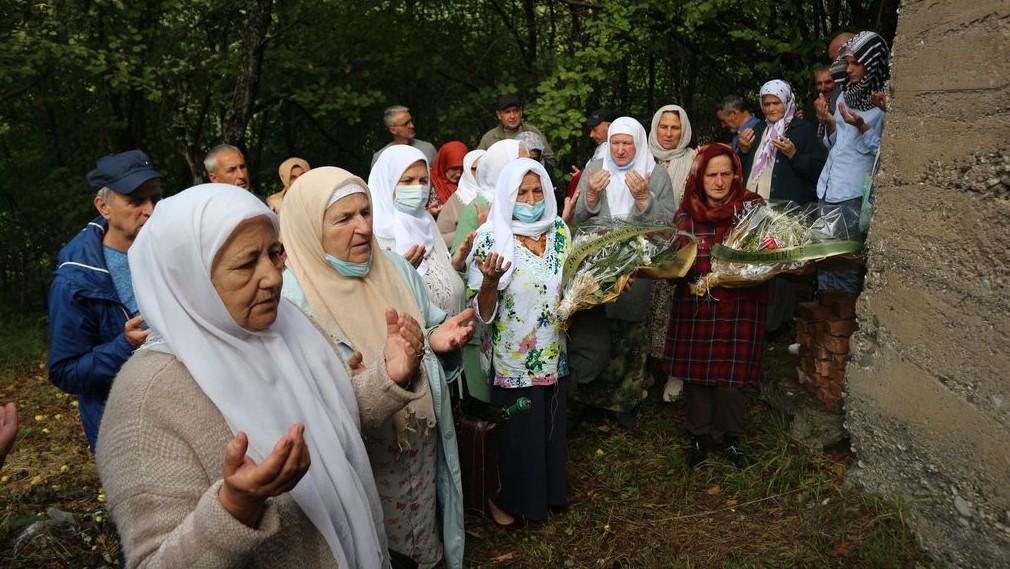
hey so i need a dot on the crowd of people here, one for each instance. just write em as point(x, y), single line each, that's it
point(278, 383)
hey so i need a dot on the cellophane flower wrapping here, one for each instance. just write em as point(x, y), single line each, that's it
point(607, 251)
point(768, 226)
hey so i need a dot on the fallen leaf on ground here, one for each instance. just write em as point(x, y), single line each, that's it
point(841, 549)
point(503, 558)
point(714, 490)
point(604, 428)
point(731, 503)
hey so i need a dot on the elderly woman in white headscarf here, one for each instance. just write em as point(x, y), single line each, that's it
point(206, 442)
point(669, 142)
point(497, 156)
point(359, 294)
point(607, 347)
point(787, 159)
point(400, 187)
point(466, 192)
point(516, 269)
point(783, 165)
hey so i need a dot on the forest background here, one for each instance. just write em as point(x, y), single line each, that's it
point(80, 79)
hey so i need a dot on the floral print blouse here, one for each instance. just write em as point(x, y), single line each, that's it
point(523, 343)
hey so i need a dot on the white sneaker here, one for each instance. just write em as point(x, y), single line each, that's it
point(794, 349)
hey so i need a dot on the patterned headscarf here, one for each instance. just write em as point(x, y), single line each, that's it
point(870, 50)
point(696, 204)
point(766, 152)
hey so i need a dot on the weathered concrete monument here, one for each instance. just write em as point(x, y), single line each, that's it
point(928, 387)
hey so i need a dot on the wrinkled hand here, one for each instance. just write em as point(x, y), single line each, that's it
point(639, 188)
point(493, 267)
point(852, 118)
point(568, 213)
point(404, 346)
point(247, 485)
point(785, 146)
point(594, 187)
point(8, 429)
point(135, 335)
point(823, 109)
point(356, 363)
point(452, 333)
point(459, 257)
point(575, 170)
point(482, 214)
point(746, 140)
point(414, 255)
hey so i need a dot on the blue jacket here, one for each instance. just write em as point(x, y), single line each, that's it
point(87, 345)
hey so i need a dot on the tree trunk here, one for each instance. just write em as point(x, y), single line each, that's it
point(246, 85)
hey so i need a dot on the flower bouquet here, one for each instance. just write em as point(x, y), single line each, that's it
point(773, 238)
point(607, 251)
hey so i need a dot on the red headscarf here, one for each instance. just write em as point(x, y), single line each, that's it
point(450, 155)
point(696, 203)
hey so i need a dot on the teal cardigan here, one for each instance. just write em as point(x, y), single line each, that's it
point(448, 479)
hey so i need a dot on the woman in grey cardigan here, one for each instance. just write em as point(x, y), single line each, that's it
point(232, 438)
point(607, 345)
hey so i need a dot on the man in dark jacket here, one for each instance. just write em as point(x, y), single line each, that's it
point(93, 322)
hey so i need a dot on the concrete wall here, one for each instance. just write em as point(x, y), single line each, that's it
point(928, 389)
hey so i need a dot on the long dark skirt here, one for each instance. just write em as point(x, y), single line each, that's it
point(715, 411)
point(532, 451)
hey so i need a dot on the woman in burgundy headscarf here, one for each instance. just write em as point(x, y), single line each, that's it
point(715, 343)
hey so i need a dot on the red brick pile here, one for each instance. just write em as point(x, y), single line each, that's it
point(823, 329)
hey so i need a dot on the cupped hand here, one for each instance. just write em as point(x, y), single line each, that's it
point(459, 257)
point(493, 267)
point(414, 255)
point(247, 485)
point(638, 186)
point(746, 140)
point(404, 346)
point(135, 335)
point(785, 146)
point(568, 214)
point(452, 333)
point(850, 117)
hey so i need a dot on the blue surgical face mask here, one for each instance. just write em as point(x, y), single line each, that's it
point(527, 213)
point(409, 199)
point(350, 269)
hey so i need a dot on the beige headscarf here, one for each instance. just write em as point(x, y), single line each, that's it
point(677, 161)
point(347, 308)
point(284, 171)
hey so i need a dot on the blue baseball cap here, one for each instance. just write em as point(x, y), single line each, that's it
point(122, 173)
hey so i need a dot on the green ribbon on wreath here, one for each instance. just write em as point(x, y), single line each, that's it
point(582, 252)
point(788, 254)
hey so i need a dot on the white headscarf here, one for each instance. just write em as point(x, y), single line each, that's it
point(261, 382)
point(389, 223)
point(679, 159)
point(498, 155)
point(765, 157)
point(500, 222)
point(619, 198)
point(467, 189)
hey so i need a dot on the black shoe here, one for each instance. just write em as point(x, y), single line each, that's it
point(734, 454)
point(696, 452)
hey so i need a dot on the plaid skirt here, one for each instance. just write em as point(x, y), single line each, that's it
point(717, 341)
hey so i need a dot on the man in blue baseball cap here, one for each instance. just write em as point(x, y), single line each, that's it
point(93, 322)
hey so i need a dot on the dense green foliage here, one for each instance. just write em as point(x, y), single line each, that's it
point(82, 79)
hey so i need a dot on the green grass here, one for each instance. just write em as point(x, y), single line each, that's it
point(633, 502)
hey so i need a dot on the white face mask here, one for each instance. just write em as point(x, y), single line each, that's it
point(409, 199)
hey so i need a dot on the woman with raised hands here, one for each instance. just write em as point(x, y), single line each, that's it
point(359, 294)
point(515, 272)
point(231, 437)
point(400, 184)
